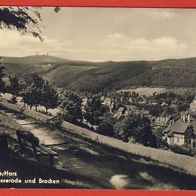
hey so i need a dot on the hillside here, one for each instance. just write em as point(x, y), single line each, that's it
point(98, 76)
point(189, 63)
point(167, 77)
point(38, 59)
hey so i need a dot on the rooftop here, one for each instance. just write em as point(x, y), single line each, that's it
point(180, 127)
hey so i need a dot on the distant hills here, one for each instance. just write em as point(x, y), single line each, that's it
point(37, 59)
point(98, 76)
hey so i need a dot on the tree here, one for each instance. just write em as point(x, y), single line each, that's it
point(182, 106)
point(190, 98)
point(35, 91)
point(123, 129)
point(14, 87)
point(73, 107)
point(33, 79)
point(31, 87)
point(143, 132)
point(155, 110)
point(94, 110)
point(49, 96)
point(170, 110)
point(22, 19)
point(137, 128)
point(2, 83)
point(171, 95)
point(106, 126)
point(160, 140)
point(56, 120)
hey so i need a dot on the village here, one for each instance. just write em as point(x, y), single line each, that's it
point(172, 116)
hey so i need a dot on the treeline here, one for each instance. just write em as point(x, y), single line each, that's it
point(34, 90)
point(95, 81)
point(166, 103)
point(113, 77)
point(168, 77)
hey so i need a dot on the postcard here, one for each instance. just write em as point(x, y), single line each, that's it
point(97, 98)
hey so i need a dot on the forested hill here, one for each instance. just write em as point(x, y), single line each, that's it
point(98, 76)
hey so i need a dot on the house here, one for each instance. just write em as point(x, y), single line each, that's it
point(162, 121)
point(193, 105)
point(164, 104)
point(107, 101)
point(130, 100)
point(110, 103)
point(131, 109)
point(152, 102)
point(84, 102)
point(120, 113)
point(181, 132)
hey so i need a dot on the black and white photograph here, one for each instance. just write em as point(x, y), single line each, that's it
point(98, 98)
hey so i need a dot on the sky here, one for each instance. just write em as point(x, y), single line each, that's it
point(104, 34)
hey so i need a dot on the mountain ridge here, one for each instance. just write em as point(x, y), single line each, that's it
point(109, 75)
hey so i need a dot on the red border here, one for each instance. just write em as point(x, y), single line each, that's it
point(105, 3)
point(98, 3)
point(52, 192)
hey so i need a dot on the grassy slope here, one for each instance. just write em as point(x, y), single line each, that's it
point(8, 125)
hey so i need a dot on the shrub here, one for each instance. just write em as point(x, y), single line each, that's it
point(13, 100)
point(106, 128)
point(183, 149)
point(57, 120)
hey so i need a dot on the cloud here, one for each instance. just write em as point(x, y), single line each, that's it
point(142, 48)
point(160, 13)
point(115, 46)
point(161, 43)
point(116, 36)
point(15, 44)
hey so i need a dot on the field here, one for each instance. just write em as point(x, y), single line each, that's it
point(148, 91)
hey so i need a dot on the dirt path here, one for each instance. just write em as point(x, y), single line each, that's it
point(46, 135)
